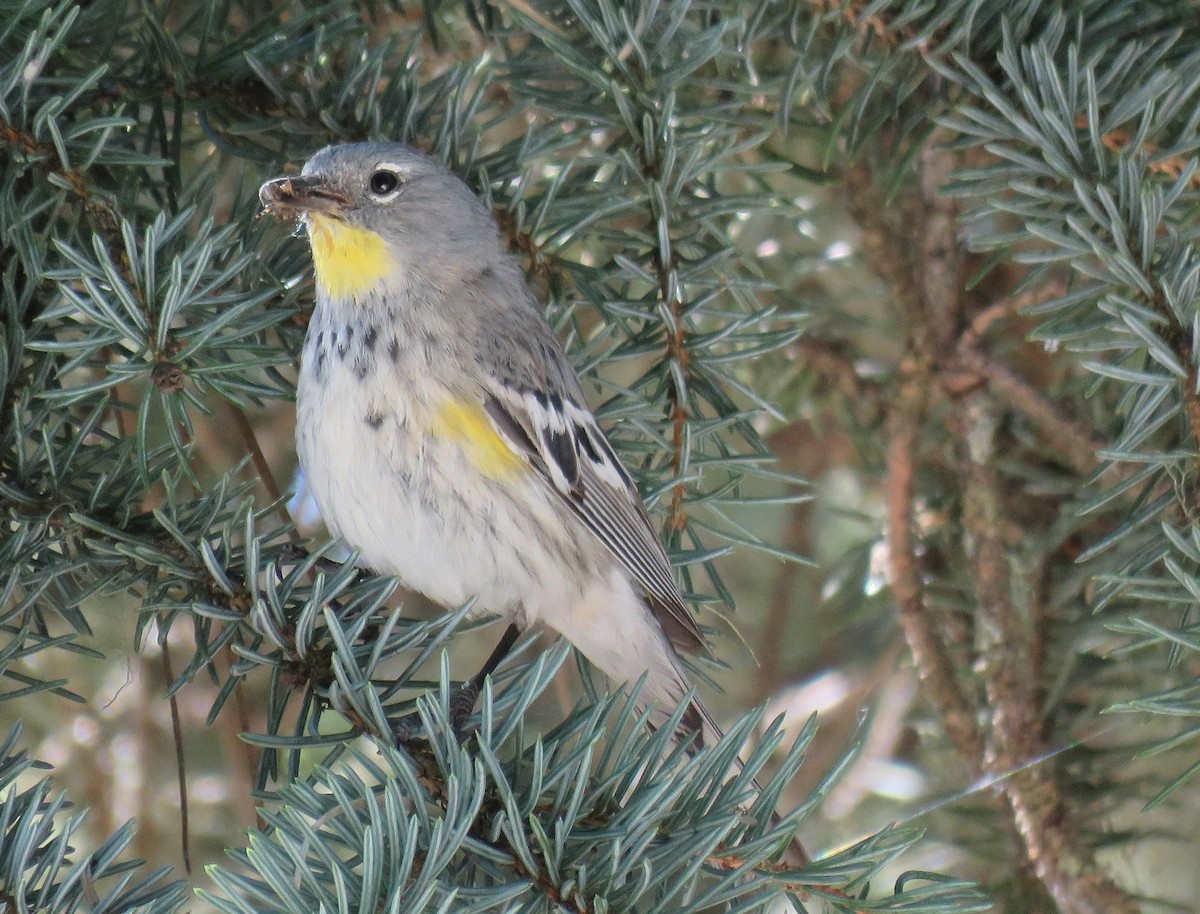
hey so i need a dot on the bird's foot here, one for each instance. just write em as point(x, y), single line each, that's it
point(293, 554)
point(462, 702)
point(462, 705)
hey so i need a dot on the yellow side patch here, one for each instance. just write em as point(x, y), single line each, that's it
point(348, 261)
point(468, 424)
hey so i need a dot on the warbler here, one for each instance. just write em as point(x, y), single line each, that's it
point(445, 436)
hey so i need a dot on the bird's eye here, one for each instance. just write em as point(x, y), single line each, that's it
point(383, 182)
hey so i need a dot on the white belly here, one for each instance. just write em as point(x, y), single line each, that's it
point(415, 508)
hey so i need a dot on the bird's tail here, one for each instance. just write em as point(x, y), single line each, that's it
point(698, 726)
point(616, 632)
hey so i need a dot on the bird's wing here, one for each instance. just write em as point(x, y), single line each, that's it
point(569, 452)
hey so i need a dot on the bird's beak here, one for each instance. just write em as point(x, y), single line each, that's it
point(289, 197)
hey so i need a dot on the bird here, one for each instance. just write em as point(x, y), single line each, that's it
point(445, 435)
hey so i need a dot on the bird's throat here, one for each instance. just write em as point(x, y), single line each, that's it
point(349, 262)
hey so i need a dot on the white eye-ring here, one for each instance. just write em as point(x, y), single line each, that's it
point(385, 182)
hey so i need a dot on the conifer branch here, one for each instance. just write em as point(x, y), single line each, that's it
point(1071, 439)
point(933, 663)
point(101, 210)
point(939, 353)
point(1047, 826)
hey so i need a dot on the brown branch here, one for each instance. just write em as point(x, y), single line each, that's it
point(928, 292)
point(102, 213)
point(265, 475)
point(185, 832)
point(1063, 862)
point(1073, 440)
point(773, 636)
point(939, 276)
point(933, 318)
point(1008, 307)
point(242, 756)
point(940, 351)
point(934, 666)
point(887, 243)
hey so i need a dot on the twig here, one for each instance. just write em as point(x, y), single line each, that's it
point(242, 755)
point(889, 249)
point(1007, 307)
point(931, 301)
point(525, 9)
point(262, 467)
point(774, 629)
point(180, 761)
point(1062, 861)
point(1073, 440)
point(102, 213)
point(934, 667)
point(939, 277)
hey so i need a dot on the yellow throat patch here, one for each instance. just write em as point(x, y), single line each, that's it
point(348, 261)
point(468, 425)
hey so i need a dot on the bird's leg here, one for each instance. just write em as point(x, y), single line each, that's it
point(292, 554)
point(462, 702)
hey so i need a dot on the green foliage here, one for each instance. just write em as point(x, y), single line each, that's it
point(1123, 221)
point(39, 868)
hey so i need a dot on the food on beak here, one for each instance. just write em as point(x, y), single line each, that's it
point(289, 197)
